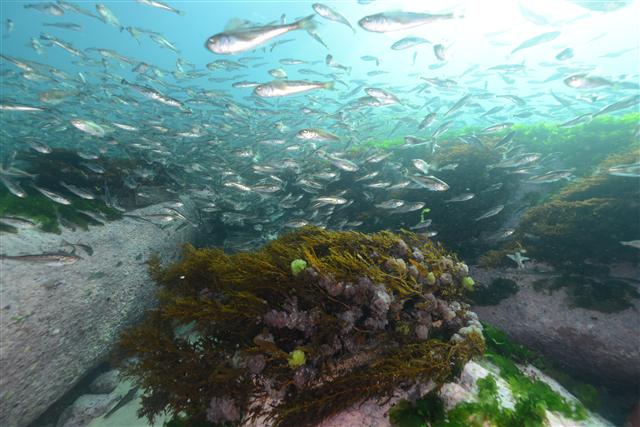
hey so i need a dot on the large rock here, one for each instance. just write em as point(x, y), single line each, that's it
point(599, 345)
point(58, 322)
point(375, 413)
point(465, 389)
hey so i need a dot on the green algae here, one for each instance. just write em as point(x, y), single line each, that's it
point(47, 213)
point(500, 344)
point(297, 266)
point(532, 399)
point(427, 409)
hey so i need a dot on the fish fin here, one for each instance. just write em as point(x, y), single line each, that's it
point(305, 23)
point(330, 85)
point(235, 24)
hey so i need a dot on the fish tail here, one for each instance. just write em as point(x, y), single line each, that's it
point(330, 85)
point(305, 23)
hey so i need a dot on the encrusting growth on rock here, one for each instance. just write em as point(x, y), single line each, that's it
point(248, 336)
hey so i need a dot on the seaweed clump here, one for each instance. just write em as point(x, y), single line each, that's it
point(240, 337)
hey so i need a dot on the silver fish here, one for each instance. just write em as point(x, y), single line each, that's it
point(620, 105)
point(632, 244)
point(396, 21)
point(421, 165)
point(64, 25)
point(565, 54)
point(344, 164)
point(430, 182)
point(427, 121)
point(249, 38)
point(317, 135)
point(296, 223)
point(440, 52)
point(90, 127)
point(490, 213)
point(329, 200)
point(408, 42)
point(289, 87)
point(80, 192)
point(583, 118)
point(53, 259)
point(17, 222)
point(330, 14)
point(19, 107)
point(461, 198)
point(390, 204)
point(13, 187)
point(48, 8)
point(154, 95)
point(534, 41)
point(160, 5)
point(552, 176)
point(583, 81)
point(53, 196)
point(107, 16)
point(630, 170)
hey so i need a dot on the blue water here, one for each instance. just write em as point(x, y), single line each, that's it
point(484, 38)
point(205, 155)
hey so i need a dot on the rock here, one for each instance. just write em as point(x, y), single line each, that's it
point(453, 394)
point(445, 279)
point(465, 389)
point(105, 383)
point(602, 346)
point(402, 249)
point(422, 332)
point(374, 413)
point(86, 408)
point(52, 336)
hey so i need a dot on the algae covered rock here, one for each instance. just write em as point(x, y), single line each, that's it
point(293, 349)
point(510, 386)
point(503, 394)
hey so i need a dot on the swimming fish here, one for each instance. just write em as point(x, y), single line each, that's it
point(396, 21)
point(408, 42)
point(53, 259)
point(160, 5)
point(491, 212)
point(539, 39)
point(289, 87)
point(330, 14)
point(243, 39)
